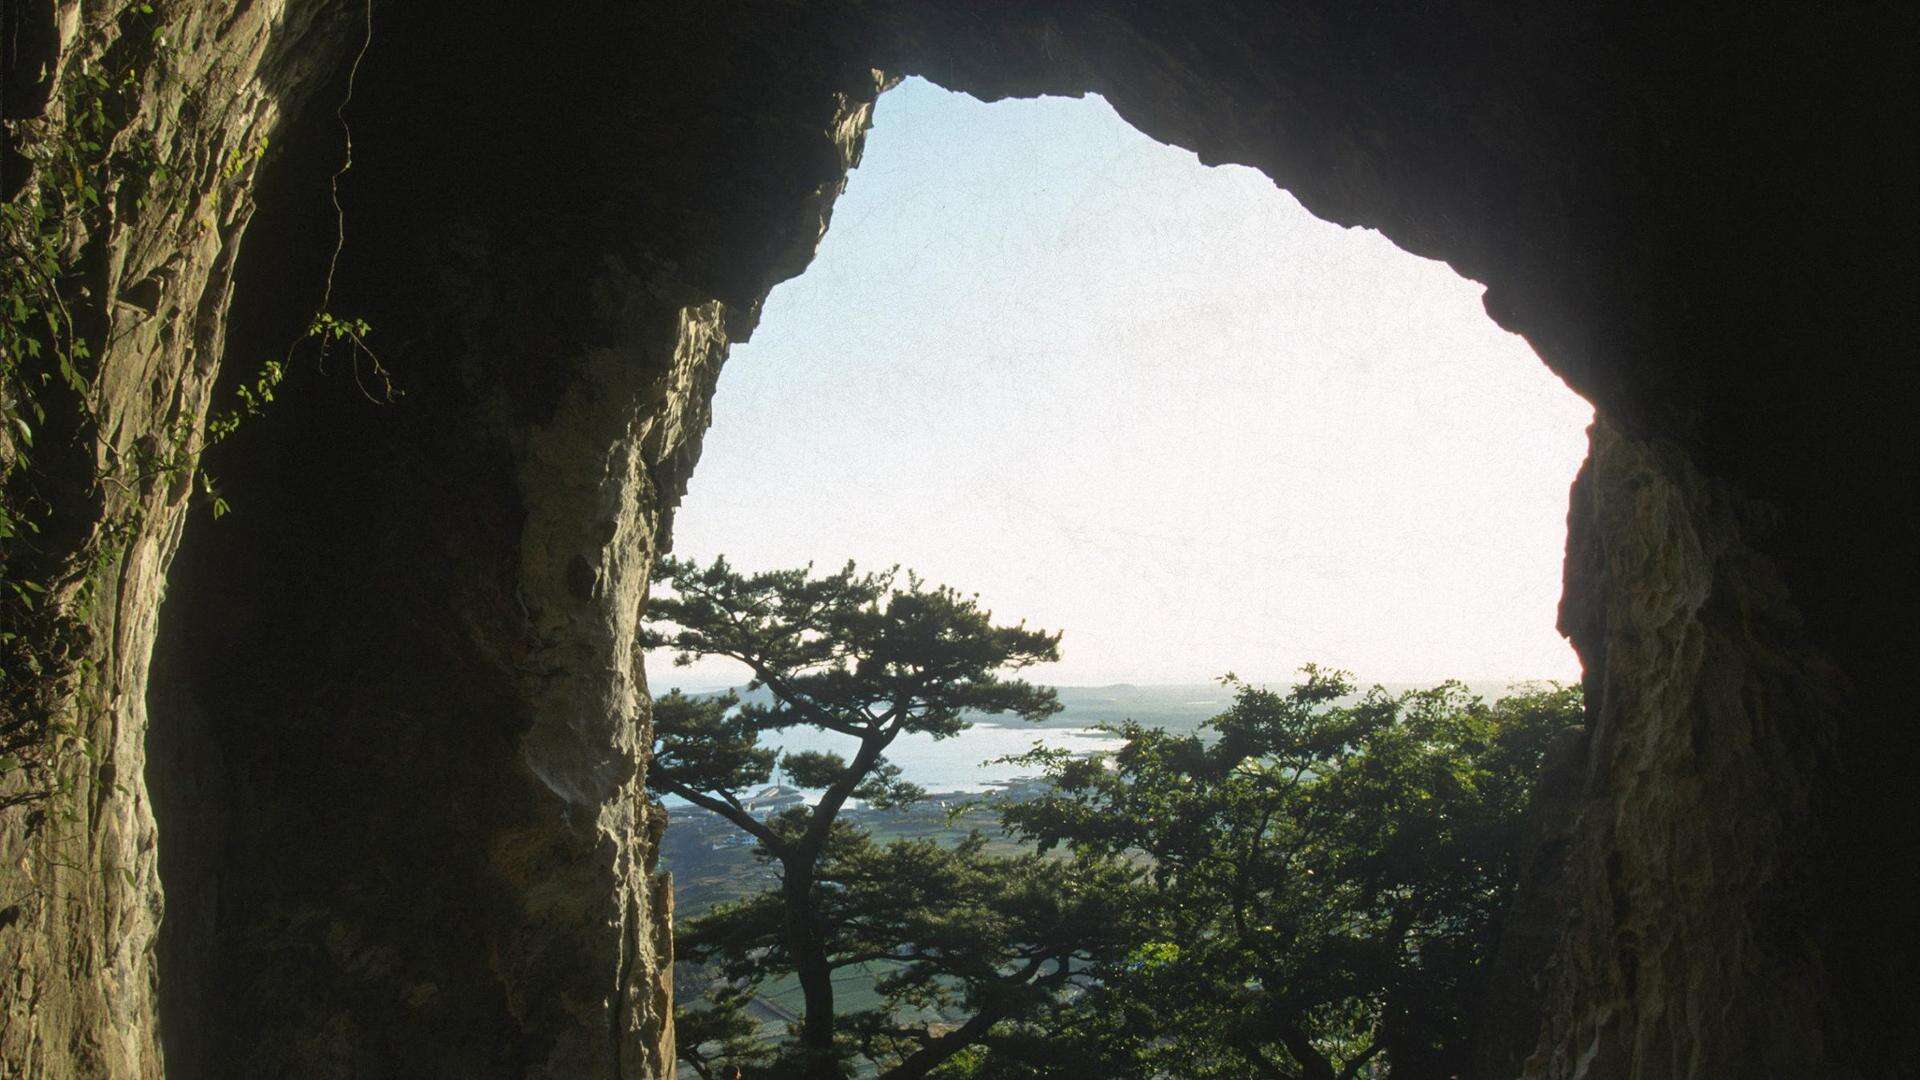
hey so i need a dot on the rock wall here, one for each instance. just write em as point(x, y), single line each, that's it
point(406, 660)
point(394, 745)
point(80, 897)
point(1695, 874)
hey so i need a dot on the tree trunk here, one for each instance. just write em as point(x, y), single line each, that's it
point(1313, 1064)
point(807, 941)
point(937, 1051)
point(1257, 1058)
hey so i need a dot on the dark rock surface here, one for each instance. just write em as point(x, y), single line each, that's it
point(396, 732)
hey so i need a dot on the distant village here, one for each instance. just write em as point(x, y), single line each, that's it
point(712, 861)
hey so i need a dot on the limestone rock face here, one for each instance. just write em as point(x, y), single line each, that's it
point(409, 660)
point(80, 896)
point(378, 808)
point(1695, 864)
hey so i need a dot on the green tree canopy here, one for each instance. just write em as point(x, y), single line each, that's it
point(1324, 880)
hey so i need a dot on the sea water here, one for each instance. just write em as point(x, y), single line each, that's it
point(966, 762)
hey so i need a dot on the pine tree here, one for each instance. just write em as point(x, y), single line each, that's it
point(869, 658)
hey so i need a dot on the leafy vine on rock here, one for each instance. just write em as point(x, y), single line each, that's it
point(71, 500)
point(55, 538)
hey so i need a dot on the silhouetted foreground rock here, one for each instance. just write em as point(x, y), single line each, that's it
point(385, 818)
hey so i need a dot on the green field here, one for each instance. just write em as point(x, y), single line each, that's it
point(713, 862)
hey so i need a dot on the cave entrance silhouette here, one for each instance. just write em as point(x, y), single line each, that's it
point(394, 711)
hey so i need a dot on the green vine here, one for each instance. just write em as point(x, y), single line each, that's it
point(70, 503)
point(51, 558)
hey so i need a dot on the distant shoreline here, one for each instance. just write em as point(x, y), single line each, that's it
point(1477, 684)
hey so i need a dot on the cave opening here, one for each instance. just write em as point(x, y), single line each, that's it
point(1122, 393)
point(1152, 403)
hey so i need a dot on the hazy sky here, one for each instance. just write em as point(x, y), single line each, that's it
point(1156, 405)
